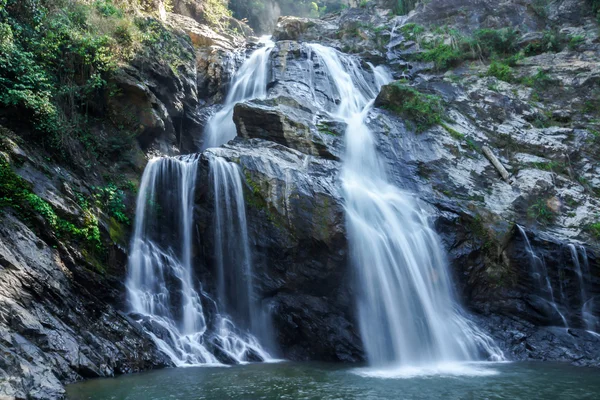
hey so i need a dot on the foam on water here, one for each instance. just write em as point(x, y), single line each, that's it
point(439, 370)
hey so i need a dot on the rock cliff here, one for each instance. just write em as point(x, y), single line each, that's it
point(517, 80)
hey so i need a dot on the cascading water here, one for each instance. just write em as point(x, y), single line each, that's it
point(232, 251)
point(161, 288)
point(250, 82)
point(582, 269)
point(539, 273)
point(407, 312)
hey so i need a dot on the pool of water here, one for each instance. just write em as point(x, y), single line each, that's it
point(289, 380)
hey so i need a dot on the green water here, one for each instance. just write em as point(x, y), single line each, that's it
point(324, 381)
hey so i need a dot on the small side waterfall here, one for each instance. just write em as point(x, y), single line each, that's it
point(407, 311)
point(250, 82)
point(539, 273)
point(162, 292)
point(232, 250)
point(582, 268)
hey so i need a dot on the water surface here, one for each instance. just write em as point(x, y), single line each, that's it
point(324, 381)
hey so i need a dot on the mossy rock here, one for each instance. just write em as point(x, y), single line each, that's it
point(423, 110)
point(117, 231)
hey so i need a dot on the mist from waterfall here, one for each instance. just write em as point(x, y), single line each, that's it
point(249, 82)
point(164, 296)
point(407, 311)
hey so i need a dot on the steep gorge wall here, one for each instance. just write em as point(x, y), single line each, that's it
point(61, 320)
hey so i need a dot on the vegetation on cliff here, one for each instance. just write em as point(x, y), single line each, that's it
point(56, 61)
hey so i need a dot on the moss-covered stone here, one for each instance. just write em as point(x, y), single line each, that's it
point(423, 110)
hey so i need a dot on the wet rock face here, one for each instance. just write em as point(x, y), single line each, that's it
point(55, 324)
point(283, 120)
point(297, 232)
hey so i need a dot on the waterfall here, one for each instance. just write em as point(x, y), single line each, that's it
point(407, 311)
point(582, 268)
point(250, 82)
point(232, 250)
point(162, 292)
point(539, 273)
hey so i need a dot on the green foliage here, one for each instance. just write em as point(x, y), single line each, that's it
point(424, 110)
point(554, 166)
point(111, 198)
point(412, 30)
point(16, 193)
point(551, 41)
point(541, 212)
point(594, 229)
point(449, 47)
point(501, 71)
point(478, 229)
point(216, 12)
point(452, 48)
point(471, 145)
point(540, 8)
point(496, 41)
point(326, 128)
point(443, 56)
point(403, 7)
point(576, 41)
point(454, 133)
point(55, 57)
point(538, 81)
point(108, 9)
point(595, 8)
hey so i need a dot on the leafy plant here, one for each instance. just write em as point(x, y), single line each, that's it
point(424, 110)
point(111, 198)
point(501, 71)
point(576, 41)
point(403, 7)
point(16, 193)
point(443, 56)
point(594, 229)
point(540, 80)
point(499, 42)
point(541, 212)
point(551, 41)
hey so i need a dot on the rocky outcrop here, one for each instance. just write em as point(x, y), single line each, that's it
point(59, 314)
point(296, 228)
point(202, 35)
point(283, 120)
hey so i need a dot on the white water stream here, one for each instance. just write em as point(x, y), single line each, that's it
point(582, 268)
point(162, 291)
point(539, 273)
point(249, 82)
point(408, 314)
